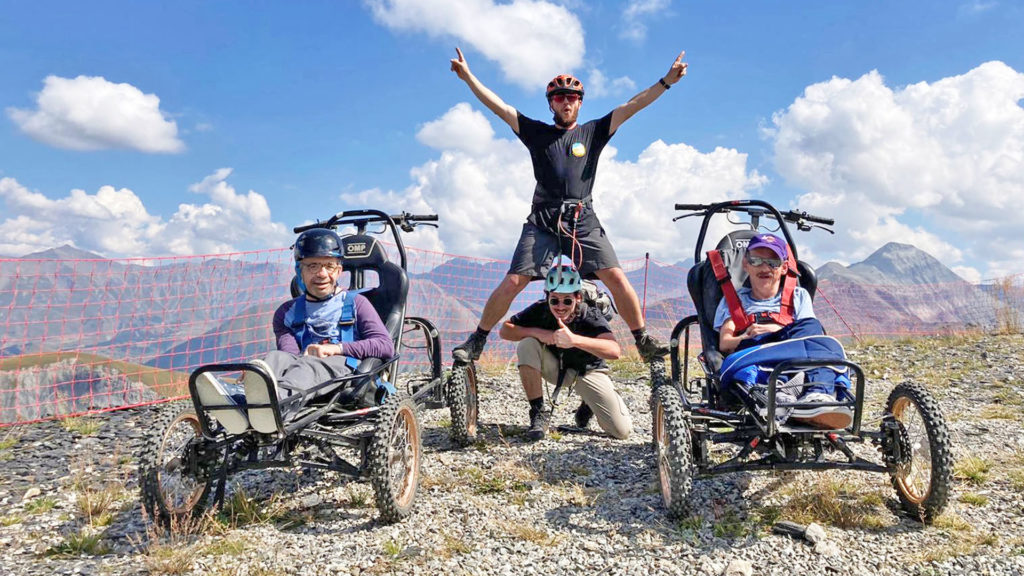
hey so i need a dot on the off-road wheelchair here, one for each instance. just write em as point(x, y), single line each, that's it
point(694, 411)
point(364, 424)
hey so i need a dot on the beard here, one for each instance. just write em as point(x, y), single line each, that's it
point(568, 120)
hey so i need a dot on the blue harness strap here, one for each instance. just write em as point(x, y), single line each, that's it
point(339, 315)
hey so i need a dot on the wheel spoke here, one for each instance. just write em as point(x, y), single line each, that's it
point(917, 474)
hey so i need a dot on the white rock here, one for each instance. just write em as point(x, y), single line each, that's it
point(814, 533)
point(826, 548)
point(738, 568)
point(31, 493)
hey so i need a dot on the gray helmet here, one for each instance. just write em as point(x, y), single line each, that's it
point(562, 278)
point(317, 242)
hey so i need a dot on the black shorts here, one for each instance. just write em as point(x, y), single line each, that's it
point(538, 247)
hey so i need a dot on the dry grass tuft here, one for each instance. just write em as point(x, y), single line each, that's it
point(82, 425)
point(529, 533)
point(79, 544)
point(972, 469)
point(974, 499)
point(837, 500)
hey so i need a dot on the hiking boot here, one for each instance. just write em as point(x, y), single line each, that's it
point(538, 425)
point(649, 347)
point(583, 415)
point(469, 351)
point(827, 417)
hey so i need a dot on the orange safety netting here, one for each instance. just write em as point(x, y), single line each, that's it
point(80, 336)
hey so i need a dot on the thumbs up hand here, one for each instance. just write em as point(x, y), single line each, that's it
point(563, 337)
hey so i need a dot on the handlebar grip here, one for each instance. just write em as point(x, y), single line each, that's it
point(692, 206)
point(795, 215)
point(301, 229)
point(813, 218)
point(422, 217)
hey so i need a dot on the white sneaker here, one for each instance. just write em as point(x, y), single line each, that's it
point(256, 392)
point(781, 413)
point(828, 417)
point(213, 392)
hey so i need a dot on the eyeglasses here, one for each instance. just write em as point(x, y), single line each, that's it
point(559, 98)
point(563, 301)
point(314, 267)
point(756, 261)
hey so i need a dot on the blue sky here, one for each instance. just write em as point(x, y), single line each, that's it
point(145, 129)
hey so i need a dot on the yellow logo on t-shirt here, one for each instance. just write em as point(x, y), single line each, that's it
point(578, 149)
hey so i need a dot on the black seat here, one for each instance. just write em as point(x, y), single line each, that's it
point(364, 253)
point(706, 293)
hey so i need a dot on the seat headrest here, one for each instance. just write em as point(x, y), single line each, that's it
point(737, 239)
point(362, 251)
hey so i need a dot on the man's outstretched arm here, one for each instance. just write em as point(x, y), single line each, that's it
point(484, 94)
point(641, 100)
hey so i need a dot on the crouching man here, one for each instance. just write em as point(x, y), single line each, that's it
point(562, 337)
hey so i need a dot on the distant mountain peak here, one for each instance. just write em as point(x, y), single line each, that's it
point(894, 263)
point(65, 252)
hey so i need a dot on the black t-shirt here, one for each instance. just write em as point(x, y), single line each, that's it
point(588, 323)
point(564, 165)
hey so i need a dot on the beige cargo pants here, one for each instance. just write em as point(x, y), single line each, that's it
point(595, 387)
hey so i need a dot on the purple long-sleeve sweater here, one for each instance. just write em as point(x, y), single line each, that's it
point(373, 341)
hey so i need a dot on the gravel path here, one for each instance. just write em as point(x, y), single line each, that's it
point(574, 503)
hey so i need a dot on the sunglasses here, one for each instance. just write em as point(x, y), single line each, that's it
point(568, 301)
point(314, 267)
point(559, 98)
point(756, 261)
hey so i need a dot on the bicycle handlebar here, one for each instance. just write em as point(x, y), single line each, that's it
point(795, 216)
point(403, 220)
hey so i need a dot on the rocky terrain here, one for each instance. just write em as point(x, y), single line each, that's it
point(573, 503)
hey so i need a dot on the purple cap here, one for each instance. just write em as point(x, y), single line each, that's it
point(771, 242)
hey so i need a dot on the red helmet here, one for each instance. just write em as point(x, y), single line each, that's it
point(563, 84)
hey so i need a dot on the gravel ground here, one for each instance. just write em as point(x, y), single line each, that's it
point(573, 503)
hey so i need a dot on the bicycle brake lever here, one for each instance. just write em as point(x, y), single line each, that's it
point(688, 215)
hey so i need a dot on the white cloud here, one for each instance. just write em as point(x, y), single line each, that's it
point(634, 15)
point(461, 128)
point(976, 7)
point(940, 165)
point(531, 40)
point(115, 223)
point(599, 86)
point(967, 273)
point(91, 113)
point(483, 192)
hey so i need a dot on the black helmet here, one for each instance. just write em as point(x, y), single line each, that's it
point(317, 242)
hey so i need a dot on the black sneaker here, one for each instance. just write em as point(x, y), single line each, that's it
point(538, 426)
point(470, 350)
point(649, 347)
point(583, 415)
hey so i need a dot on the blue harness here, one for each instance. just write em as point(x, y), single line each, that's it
point(333, 323)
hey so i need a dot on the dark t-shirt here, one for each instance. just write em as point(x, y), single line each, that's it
point(589, 323)
point(564, 165)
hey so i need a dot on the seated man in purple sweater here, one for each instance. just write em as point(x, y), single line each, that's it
point(319, 335)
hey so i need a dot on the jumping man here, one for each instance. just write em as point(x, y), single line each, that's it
point(565, 157)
